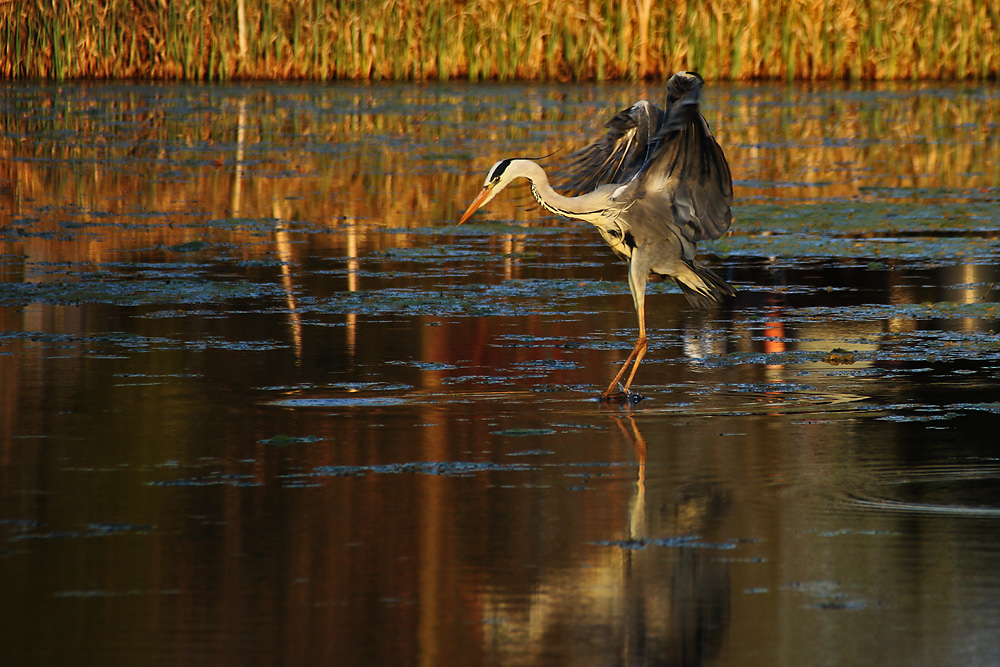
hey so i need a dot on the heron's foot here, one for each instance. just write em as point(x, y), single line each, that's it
point(623, 397)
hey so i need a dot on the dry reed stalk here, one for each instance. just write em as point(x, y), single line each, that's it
point(494, 39)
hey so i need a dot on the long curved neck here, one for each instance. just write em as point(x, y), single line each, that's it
point(584, 207)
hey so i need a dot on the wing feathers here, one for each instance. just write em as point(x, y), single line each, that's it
point(617, 156)
point(669, 160)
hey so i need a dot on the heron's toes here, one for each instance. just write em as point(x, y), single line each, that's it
point(622, 398)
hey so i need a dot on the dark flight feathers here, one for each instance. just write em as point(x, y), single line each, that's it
point(671, 164)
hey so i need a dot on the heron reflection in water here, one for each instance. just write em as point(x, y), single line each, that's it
point(654, 185)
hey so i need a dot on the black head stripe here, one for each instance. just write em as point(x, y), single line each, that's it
point(499, 169)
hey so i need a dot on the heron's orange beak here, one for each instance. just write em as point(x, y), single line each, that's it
point(480, 199)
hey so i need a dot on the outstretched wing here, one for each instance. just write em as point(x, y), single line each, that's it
point(687, 171)
point(617, 156)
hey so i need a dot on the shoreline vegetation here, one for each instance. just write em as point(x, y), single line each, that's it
point(552, 40)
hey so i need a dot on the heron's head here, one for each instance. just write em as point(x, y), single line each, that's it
point(499, 176)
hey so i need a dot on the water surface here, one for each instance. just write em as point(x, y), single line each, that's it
point(265, 403)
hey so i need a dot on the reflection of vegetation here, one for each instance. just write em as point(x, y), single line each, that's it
point(151, 167)
point(546, 39)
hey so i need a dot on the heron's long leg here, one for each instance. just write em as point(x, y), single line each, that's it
point(641, 347)
point(634, 358)
point(637, 284)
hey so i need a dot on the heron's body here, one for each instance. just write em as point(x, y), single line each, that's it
point(654, 185)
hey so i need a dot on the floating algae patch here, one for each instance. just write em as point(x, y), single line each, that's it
point(524, 432)
point(508, 298)
point(347, 402)
point(423, 365)
point(190, 246)
point(925, 232)
point(441, 468)
point(529, 341)
point(783, 358)
point(100, 344)
point(131, 292)
point(678, 542)
point(432, 254)
point(122, 339)
point(546, 365)
point(283, 440)
point(845, 218)
point(794, 248)
point(219, 343)
point(985, 310)
point(923, 347)
point(105, 593)
point(91, 530)
point(453, 261)
point(212, 479)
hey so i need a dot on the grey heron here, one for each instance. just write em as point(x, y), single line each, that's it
point(654, 185)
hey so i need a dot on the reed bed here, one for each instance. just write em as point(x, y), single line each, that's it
point(499, 39)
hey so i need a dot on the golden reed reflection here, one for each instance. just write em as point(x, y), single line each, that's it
point(135, 174)
point(378, 169)
point(86, 178)
point(283, 245)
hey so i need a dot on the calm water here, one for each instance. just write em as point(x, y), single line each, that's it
point(263, 403)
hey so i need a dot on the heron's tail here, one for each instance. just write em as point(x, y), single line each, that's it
point(702, 287)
